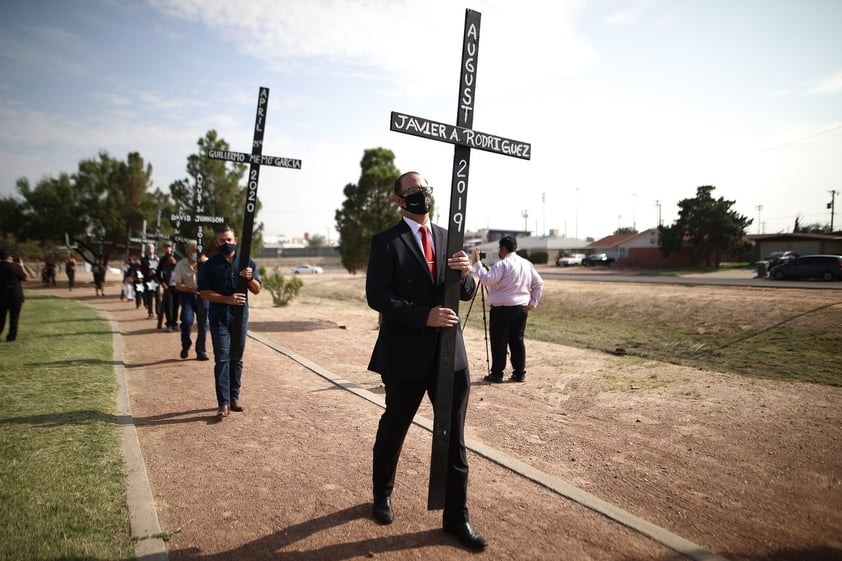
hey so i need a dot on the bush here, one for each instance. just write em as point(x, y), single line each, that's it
point(283, 291)
point(539, 258)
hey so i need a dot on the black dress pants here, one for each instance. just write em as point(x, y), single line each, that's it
point(506, 328)
point(403, 397)
point(11, 307)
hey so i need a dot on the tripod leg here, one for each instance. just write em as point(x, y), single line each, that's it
point(485, 329)
point(470, 307)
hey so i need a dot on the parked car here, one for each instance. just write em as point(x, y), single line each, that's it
point(778, 257)
point(570, 260)
point(825, 267)
point(597, 259)
point(307, 269)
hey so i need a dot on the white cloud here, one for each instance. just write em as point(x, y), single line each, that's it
point(45, 49)
point(113, 99)
point(831, 85)
point(402, 43)
point(630, 14)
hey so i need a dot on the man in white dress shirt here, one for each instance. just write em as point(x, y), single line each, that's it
point(514, 289)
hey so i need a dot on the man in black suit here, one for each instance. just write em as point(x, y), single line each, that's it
point(405, 283)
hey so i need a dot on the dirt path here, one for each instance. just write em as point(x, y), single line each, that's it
point(750, 469)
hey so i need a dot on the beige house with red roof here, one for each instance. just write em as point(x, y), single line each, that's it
point(640, 250)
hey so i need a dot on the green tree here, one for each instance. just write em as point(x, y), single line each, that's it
point(101, 201)
point(115, 197)
point(132, 196)
point(814, 228)
point(222, 194)
point(51, 208)
point(368, 207)
point(317, 240)
point(625, 230)
point(11, 215)
point(712, 229)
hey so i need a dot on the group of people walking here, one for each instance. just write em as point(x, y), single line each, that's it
point(405, 283)
point(165, 286)
point(204, 289)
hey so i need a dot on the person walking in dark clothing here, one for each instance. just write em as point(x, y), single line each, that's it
point(70, 270)
point(405, 282)
point(192, 305)
point(170, 299)
point(12, 274)
point(217, 283)
point(98, 270)
point(151, 285)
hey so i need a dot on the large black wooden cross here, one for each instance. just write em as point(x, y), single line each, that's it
point(158, 235)
point(131, 243)
point(199, 217)
point(256, 159)
point(464, 138)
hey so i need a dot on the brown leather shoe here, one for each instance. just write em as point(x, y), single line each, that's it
point(222, 412)
point(237, 406)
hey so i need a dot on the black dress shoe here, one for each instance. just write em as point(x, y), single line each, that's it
point(467, 534)
point(494, 378)
point(383, 510)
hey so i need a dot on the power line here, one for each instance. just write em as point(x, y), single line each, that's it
point(803, 138)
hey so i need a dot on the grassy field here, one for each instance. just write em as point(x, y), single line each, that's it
point(784, 334)
point(720, 335)
point(62, 480)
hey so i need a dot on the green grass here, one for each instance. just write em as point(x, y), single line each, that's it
point(792, 339)
point(62, 476)
point(774, 333)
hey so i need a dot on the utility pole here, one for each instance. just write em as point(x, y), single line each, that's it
point(759, 208)
point(658, 205)
point(832, 206)
point(525, 215)
point(544, 211)
point(634, 220)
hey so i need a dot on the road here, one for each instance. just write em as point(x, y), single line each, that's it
point(730, 277)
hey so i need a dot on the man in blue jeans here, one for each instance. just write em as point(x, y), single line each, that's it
point(217, 282)
point(192, 305)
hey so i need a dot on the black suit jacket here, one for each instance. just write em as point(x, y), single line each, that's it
point(399, 286)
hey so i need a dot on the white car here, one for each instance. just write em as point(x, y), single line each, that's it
point(307, 269)
point(570, 260)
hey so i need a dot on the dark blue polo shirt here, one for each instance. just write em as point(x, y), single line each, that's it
point(219, 275)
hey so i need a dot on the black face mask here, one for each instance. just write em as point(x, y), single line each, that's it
point(418, 203)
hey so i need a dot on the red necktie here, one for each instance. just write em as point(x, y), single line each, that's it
point(428, 252)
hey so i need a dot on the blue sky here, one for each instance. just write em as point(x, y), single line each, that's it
point(625, 102)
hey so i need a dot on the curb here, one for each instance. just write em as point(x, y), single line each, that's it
point(146, 531)
point(555, 484)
